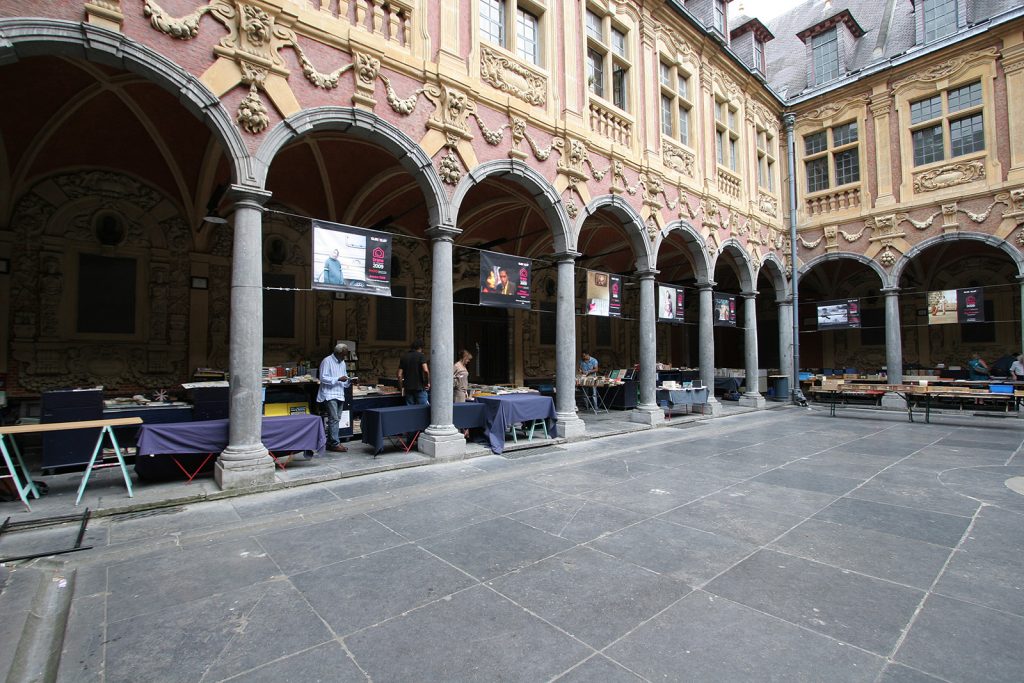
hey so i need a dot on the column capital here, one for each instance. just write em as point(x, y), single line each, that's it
point(567, 255)
point(648, 274)
point(784, 301)
point(890, 291)
point(445, 233)
point(247, 193)
point(748, 295)
point(706, 286)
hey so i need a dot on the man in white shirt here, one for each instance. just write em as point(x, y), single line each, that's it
point(333, 382)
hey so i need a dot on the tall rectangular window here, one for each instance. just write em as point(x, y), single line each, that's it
point(675, 102)
point(948, 125)
point(719, 18)
point(495, 18)
point(758, 56)
point(939, 19)
point(765, 159)
point(825, 50)
point(832, 157)
point(608, 62)
point(666, 116)
point(106, 294)
point(726, 135)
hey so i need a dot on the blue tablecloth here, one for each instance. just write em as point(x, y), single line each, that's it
point(379, 423)
point(502, 411)
point(284, 434)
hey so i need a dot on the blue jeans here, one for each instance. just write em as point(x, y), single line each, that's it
point(335, 406)
point(417, 398)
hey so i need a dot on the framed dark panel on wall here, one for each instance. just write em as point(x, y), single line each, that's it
point(106, 294)
point(391, 316)
point(278, 306)
point(981, 333)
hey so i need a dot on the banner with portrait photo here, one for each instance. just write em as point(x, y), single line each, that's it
point(956, 306)
point(604, 294)
point(723, 308)
point(351, 259)
point(671, 304)
point(504, 280)
point(843, 314)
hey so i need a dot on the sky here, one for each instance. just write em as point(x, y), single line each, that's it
point(762, 9)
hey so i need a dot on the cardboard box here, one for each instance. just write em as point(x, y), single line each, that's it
point(275, 409)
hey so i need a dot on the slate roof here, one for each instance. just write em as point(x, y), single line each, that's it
point(888, 25)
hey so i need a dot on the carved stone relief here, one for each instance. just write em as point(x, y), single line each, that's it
point(949, 175)
point(512, 77)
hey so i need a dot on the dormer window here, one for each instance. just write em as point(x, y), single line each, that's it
point(719, 17)
point(758, 56)
point(825, 49)
point(939, 19)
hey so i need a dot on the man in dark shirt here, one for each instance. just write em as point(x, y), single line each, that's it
point(414, 375)
point(1001, 368)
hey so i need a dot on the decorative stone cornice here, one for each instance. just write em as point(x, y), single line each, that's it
point(830, 109)
point(946, 69)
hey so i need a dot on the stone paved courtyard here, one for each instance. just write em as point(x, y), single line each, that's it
point(778, 546)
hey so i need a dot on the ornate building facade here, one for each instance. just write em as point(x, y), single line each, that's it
point(639, 138)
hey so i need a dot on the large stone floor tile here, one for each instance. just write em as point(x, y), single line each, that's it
point(660, 491)
point(327, 663)
point(212, 638)
point(915, 489)
point(509, 496)
point(984, 580)
point(477, 635)
point(429, 516)
point(81, 656)
point(598, 668)
point(776, 498)
point(808, 481)
point(494, 547)
point(577, 519)
point(732, 519)
point(590, 595)
point(897, 673)
point(173, 576)
point(855, 609)
point(922, 525)
point(894, 558)
point(960, 641)
point(272, 502)
point(171, 521)
point(686, 554)
point(305, 547)
point(987, 484)
point(572, 480)
point(366, 590)
point(620, 469)
point(705, 638)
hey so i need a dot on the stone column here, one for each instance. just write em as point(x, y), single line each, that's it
point(752, 398)
point(570, 425)
point(786, 344)
point(706, 353)
point(893, 347)
point(647, 412)
point(441, 439)
point(245, 462)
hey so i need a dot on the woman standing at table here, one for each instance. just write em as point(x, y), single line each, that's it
point(461, 371)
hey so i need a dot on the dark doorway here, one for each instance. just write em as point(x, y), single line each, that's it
point(483, 331)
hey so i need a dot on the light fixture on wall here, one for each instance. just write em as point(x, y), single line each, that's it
point(212, 214)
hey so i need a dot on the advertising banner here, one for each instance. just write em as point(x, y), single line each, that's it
point(839, 315)
point(724, 309)
point(351, 259)
point(504, 280)
point(956, 306)
point(671, 304)
point(971, 305)
point(604, 294)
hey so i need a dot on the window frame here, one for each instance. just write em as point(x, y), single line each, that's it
point(766, 158)
point(953, 8)
point(944, 121)
point(727, 130)
point(613, 81)
point(674, 83)
point(509, 30)
point(829, 153)
point(819, 78)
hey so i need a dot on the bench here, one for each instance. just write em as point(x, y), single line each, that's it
point(7, 434)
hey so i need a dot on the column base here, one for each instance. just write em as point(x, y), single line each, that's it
point(442, 442)
point(647, 415)
point(570, 426)
point(244, 468)
point(752, 399)
point(893, 402)
point(713, 407)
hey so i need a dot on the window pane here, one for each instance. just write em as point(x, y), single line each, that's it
point(684, 87)
point(719, 146)
point(684, 125)
point(618, 42)
point(619, 87)
point(928, 145)
point(815, 143)
point(924, 110)
point(966, 135)
point(492, 21)
point(719, 113)
point(844, 135)
point(732, 119)
point(666, 115)
point(720, 16)
point(666, 75)
point(732, 154)
point(825, 49)
point(595, 72)
point(769, 178)
point(847, 167)
point(594, 26)
point(939, 18)
point(817, 174)
point(527, 46)
point(965, 97)
point(759, 55)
